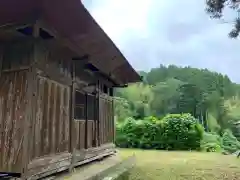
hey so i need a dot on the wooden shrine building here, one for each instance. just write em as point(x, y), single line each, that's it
point(57, 73)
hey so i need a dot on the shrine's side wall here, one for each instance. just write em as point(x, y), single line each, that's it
point(42, 129)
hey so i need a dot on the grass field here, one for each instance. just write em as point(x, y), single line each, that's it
point(162, 165)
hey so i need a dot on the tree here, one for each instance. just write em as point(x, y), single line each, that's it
point(209, 96)
point(216, 9)
point(165, 96)
point(190, 100)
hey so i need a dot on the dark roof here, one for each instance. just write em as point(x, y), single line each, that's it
point(74, 25)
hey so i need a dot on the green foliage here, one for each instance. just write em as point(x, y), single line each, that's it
point(168, 106)
point(213, 125)
point(230, 142)
point(122, 108)
point(211, 142)
point(173, 132)
point(181, 132)
point(206, 95)
point(216, 9)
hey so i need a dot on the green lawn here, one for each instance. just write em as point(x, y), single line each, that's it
point(163, 165)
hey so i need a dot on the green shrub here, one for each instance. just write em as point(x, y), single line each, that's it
point(229, 142)
point(173, 132)
point(181, 132)
point(211, 147)
point(211, 142)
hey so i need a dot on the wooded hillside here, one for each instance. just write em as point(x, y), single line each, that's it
point(209, 96)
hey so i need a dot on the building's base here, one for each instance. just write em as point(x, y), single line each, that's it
point(109, 168)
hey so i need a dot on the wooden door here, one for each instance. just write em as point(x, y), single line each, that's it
point(50, 133)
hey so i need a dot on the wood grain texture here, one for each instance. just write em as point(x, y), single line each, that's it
point(12, 115)
point(51, 133)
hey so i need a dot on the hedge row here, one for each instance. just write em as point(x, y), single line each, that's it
point(173, 132)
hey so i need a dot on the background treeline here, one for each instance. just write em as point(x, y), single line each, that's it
point(209, 97)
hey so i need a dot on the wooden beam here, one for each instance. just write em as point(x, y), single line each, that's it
point(36, 30)
point(59, 40)
point(15, 26)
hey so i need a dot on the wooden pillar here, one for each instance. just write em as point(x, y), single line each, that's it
point(27, 140)
point(113, 121)
point(98, 115)
point(36, 29)
point(72, 106)
point(71, 117)
point(32, 86)
point(86, 122)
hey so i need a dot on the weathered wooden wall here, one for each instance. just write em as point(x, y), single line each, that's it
point(51, 120)
point(38, 132)
point(85, 129)
point(12, 115)
point(17, 55)
point(50, 123)
point(15, 59)
point(106, 119)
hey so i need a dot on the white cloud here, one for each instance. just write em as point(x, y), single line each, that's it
point(169, 32)
point(122, 17)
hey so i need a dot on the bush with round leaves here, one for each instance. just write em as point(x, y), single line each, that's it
point(173, 132)
point(181, 132)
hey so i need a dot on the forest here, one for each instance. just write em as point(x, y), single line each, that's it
point(174, 105)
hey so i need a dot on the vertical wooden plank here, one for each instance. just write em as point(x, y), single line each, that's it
point(103, 127)
point(1, 59)
point(11, 152)
point(61, 118)
point(54, 121)
point(112, 121)
point(39, 119)
point(28, 137)
point(100, 120)
point(12, 111)
point(86, 122)
point(28, 118)
point(78, 134)
point(8, 126)
point(66, 120)
point(20, 117)
point(71, 118)
point(45, 129)
point(4, 92)
point(82, 134)
point(34, 105)
point(57, 119)
point(51, 117)
point(97, 116)
point(72, 133)
point(1, 120)
point(48, 118)
point(33, 49)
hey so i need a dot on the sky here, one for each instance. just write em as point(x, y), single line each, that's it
point(154, 32)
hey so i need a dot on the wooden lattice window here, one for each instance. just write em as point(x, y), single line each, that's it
point(80, 105)
point(91, 107)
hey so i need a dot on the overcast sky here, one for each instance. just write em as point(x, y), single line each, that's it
point(154, 32)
